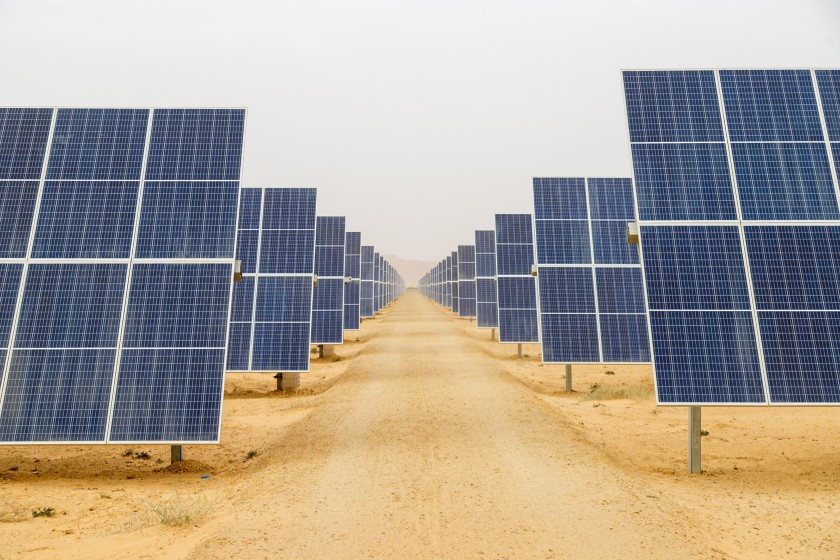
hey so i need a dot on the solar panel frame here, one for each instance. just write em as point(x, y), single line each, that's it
point(816, 133)
point(172, 426)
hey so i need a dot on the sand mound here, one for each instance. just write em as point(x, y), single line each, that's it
point(187, 466)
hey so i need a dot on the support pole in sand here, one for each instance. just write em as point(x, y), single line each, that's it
point(286, 381)
point(519, 350)
point(176, 453)
point(492, 334)
point(326, 350)
point(568, 378)
point(694, 439)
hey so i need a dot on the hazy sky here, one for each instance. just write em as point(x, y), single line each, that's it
point(416, 120)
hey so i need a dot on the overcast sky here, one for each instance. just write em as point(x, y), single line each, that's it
point(416, 120)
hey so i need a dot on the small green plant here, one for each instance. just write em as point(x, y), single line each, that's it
point(128, 453)
point(609, 372)
point(251, 454)
point(43, 512)
point(703, 433)
point(142, 455)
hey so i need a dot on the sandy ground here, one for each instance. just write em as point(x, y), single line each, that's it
point(424, 439)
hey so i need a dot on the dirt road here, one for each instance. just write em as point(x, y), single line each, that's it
point(426, 450)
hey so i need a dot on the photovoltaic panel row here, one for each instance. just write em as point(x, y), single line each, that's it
point(454, 285)
point(591, 299)
point(736, 188)
point(328, 293)
point(353, 272)
point(117, 233)
point(516, 289)
point(487, 308)
point(272, 305)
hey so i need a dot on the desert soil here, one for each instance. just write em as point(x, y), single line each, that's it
point(425, 439)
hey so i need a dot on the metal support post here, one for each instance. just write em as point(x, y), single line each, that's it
point(176, 453)
point(326, 350)
point(694, 439)
point(286, 381)
point(568, 378)
point(519, 350)
point(492, 334)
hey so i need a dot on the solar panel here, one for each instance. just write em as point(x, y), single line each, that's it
point(118, 235)
point(455, 296)
point(353, 271)
point(516, 289)
point(377, 282)
point(366, 286)
point(486, 308)
point(328, 293)
point(466, 280)
point(590, 280)
point(272, 306)
point(737, 194)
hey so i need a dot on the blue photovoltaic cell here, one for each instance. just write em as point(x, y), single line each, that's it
point(795, 267)
point(281, 347)
point(683, 182)
point(486, 309)
point(188, 220)
point(366, 308)
point(289, 209)
point(178, 306)
point(196, 144)
point(829, 86)
point(620, 290)
point(283, 299)
point(239, 347)
point(71, 306)
point(86, 219)
point(247, 244)
point(694, 267)
point(329, 260)
point(624, 338)
point(784, 181)
point(570, 338)
point(514, 259)
point(57, 395)
point(611, 198)
point(559, 199)
point(518, 325)
point(242, 307)
point(513, 228)
point(102, 144)
point(17, 207)
point(609, 242)
point(706, 357)
point(329, 230)
point(566, 290)
point(800, 353)
point(563, 242)
point(466, 281)
point(9, 283)
point(770, 105)
point(73, 315)
point(672, 106)
point(287, 251)
point(250, 208)
point(177, 400)
point(23, 142)
point(352, 270)
point(351, 305)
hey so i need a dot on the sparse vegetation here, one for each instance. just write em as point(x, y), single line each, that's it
point(43, 512)
point(104, 496)
point(128, 453)
point(14, 468)
point(609, 372)
point(251, 454)
point(703, 433)
point(177, 511)
point(598, 392)
point(142, 455)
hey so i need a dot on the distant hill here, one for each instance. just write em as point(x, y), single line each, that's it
point(411, 271)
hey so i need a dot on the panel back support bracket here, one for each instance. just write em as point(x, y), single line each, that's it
point(695, 433)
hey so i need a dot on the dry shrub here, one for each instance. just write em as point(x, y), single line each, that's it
point(598, 392)
point(177, 511)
